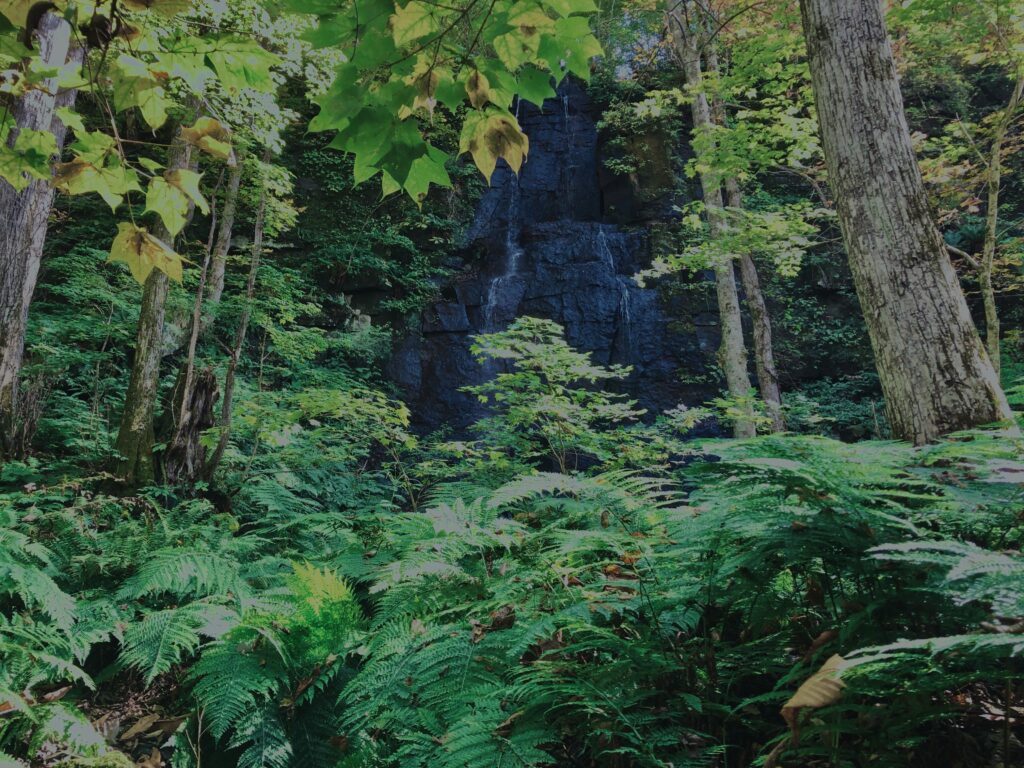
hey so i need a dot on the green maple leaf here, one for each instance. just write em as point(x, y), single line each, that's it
point(28, 159)
point(426, 170)
point(569, 7)
point(241, 63)
point(535, 85)
point(163, 7)
point(169, 197)
point(135, 86)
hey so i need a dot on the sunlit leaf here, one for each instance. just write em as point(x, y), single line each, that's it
point(209, 135)
point(143, 253)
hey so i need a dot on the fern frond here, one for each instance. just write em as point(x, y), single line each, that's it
point(232, 680)
point(163, 638)
point(262, 739)
point(37, 590)
point(187, 573)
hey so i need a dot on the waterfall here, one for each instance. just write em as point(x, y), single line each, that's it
point(625, 324)
point(505, 289)
point(624, 320)
point(541, 245)
point(604, 252)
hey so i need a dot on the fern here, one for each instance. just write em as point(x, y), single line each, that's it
point(262, 740)
point(973, 573)
point(187, 573)
point(232, 679)
point(164, 638)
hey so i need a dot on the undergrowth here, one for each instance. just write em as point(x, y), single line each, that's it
point(354, 596)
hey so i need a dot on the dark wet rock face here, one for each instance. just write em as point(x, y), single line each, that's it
point(540, 246)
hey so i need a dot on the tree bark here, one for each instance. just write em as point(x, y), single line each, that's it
point(732, 354)
point(191, 412)
point(26, 216)
point(993, 181)
point(236, 351)
point(218, 263)
point(185, 457)
point(135, 438)
point(764, 351)
point(935, 373)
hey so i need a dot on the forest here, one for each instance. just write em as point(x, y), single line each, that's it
point(511, 383)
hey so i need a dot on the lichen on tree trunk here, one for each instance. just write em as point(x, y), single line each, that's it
point(935, 373)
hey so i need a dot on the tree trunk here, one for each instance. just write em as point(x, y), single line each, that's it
point(732, 354)
point(935, 373)
point(185, 457)
point(191, 412)
point(135, 437)
point(236, 351)
point(26, 217)
point(218, 264)
point(993, 180)
point(764, 352)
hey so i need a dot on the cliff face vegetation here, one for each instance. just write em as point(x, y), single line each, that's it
point(415, 384)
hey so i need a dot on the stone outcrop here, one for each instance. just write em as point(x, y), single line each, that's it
point(541, 245)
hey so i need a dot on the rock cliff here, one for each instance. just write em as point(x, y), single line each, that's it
point(541, 244)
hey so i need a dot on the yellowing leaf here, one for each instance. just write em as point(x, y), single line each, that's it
point(819, 690)
point(110, 180)
point(143, 253)
point(188, 182)
point(490, 135)
point(515, 49)
point(414, 21)
point(531, 21)
point(478, 87)
point(425, 79)
point(209, 135)
point(17, 10)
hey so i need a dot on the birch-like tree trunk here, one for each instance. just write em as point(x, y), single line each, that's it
point(25, 217)
point(764, 350)
point(135, 438)
point(227, 403)
point(993, 181)
point(218, 261)
point(686, 26)
point(935, 373)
